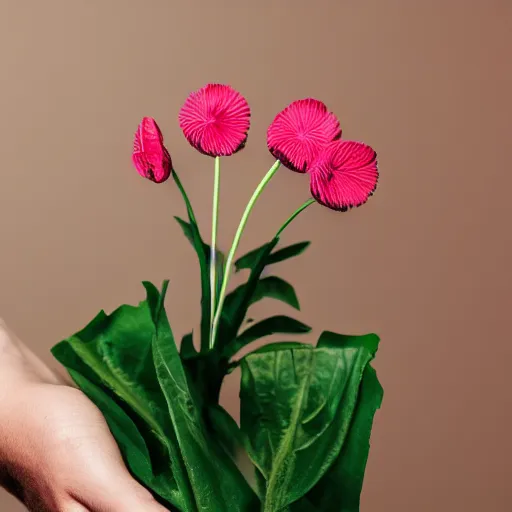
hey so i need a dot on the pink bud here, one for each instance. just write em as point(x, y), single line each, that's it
point(150, 156)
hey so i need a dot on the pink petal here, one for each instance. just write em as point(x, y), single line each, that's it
point(300, 131)
point(215, 120)
point(344, 175)
point(150, 156)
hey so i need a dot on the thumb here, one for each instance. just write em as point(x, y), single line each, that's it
point(100, 480)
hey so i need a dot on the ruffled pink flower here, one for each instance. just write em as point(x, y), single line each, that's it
point(344, 175)
point(300, 131)
point(150, 156)
point(215, 120)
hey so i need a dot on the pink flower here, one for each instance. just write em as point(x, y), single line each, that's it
point(150, 156)
point(215, 120)
point(344, 175)
point(300, 131)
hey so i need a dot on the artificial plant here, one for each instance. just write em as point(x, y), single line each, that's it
point(306, 410)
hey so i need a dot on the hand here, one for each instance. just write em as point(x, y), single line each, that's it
point(56, 451)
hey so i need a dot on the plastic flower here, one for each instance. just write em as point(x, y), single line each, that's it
point(344, 175)
point(300, 131)
point(150, 156)
point(215, 120)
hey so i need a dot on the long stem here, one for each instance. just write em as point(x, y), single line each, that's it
point(234, 246)
point(188, 204)
point(213, 247)
point(301, 208)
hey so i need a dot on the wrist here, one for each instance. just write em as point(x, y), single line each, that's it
point(19, 364)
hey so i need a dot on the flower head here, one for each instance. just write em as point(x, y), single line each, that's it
point(344, 175)
point(300, 131)
point(215, 120)
point(150, 156)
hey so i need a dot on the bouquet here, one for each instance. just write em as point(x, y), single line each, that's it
point(306, 410)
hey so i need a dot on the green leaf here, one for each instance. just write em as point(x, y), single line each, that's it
point(280, 345)
point(187, 349)
point(115, 351)
point(233, 316)
point(274, 287)
point(279, 324)
point(191, 231)
point(131, 444)
point(297, 407)
point(215, 481)
point(330, 339)
point(231, 438)
point(269, 347)
point(114, 354)
point(226, 430)
point(188, 231)
point(340, 488)
point(250, 259)
point(269, 287)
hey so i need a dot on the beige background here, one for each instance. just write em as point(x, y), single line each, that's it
point(426, 263)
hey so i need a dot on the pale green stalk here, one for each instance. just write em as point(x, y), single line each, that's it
point(213, 247)
point(234, 247)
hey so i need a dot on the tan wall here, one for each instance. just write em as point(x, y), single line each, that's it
point(426, 263)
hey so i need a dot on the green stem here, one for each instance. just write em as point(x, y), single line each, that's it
point(294, 214)
point(203, 264)
point(213, 247)
point(234, 246)
point(188, 204)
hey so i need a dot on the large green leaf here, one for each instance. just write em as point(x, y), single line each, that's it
point(297, 407)
point(269, 347)
point(250, 259)
point(115, 351)
point(272, 287)
point(340, 488)
point(111, 361)
point(216, 482)
point(131, 444)
point(279, 324)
